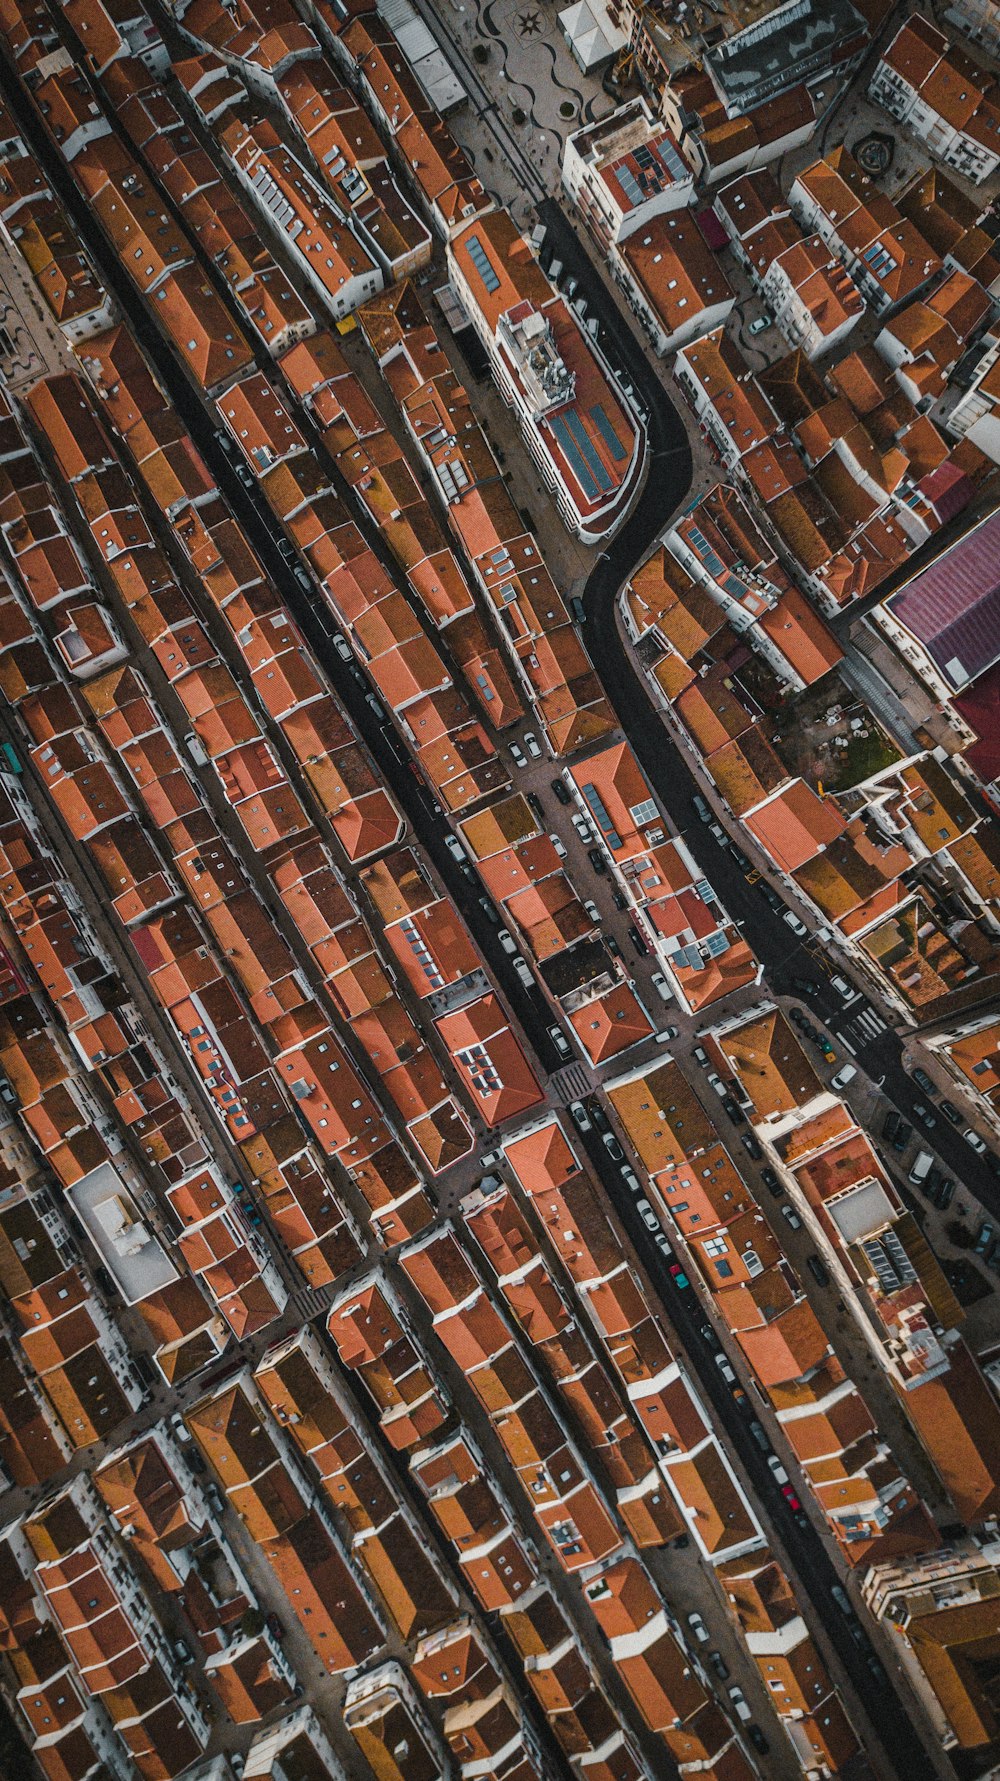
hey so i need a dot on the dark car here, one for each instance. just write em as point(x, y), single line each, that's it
point(598, 861)
point(745, 865)
point(984, 1237)
point(817, 1270)
point(612, 946)
point(950, 1112)
point(923, 1081)
point(945, 1193)
point(701, 809)
point(758, 1739)
point(274, 1627)
point(619, 899)
point(598, 1116)
point(576, 609)
point(636, 938)
point(536, 804)
point(735, 1113)
point(771, 1182)
point(560, 790)
point(772, 897)
point(923, 1115)
point(806, 986)
point(903, 1135)
point(751, 1145)
point(890, 1125)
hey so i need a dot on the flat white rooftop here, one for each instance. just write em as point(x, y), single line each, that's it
point(132, 1254)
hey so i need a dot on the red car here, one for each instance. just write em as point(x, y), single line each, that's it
point(790, 1498)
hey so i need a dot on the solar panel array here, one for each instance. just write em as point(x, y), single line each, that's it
point(480, 259)
point(608, 434)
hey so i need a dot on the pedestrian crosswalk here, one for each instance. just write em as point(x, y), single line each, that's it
point(868, 1023)
point(572, 1083)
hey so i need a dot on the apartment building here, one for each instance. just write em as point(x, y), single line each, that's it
point(623, 171)
point(951, 104)
point(942, 1611)
point(586, 443)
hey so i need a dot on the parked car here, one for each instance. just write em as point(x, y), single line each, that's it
point(950, 1112)
point(973, 1138)
point(890, 1125)
point(843, 1077)
point(806, 986)
point(638, 943)
point(732, 1111)
point(757, 1738)
point(667, 1034)
point(518, 756)
point(507, 940)
point(598, 861)
point(771, 1182)
point(700, 1056)
point(578, 1113)
point(646, 1212)
point(923, 1081)
point(632, 1182)
point(661, 986)
point(775, 1466)
point(619, 899)
point(577, 612)
point(818, 1270)
point(536, 804)
point(739, 1701)
point(701, 809)
point(679, 1277)
point(582, 827)
point(559, 847)
point(532, 745)
point(923, 1115)
point(751, 1146)
point(598, 1115)
point(984, 1237)
point(562, 795)
point(718, 1664)
point(592, 909)
point(342, 647)
point(797, 926)
point(560, 1041)
point(722, 1362)
point(523, 970)
point(698, 1627)
point(904, 1133)
point(945, 1193)
point(457, 851)
point(613, 1148)
point(791, 1217)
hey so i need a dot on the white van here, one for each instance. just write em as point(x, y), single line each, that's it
point(921, 1168)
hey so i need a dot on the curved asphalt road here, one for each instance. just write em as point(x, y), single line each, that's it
point(666, 488)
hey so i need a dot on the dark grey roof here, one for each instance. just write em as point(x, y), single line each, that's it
point(791, 44)
point(953, 606)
